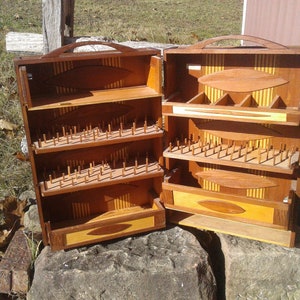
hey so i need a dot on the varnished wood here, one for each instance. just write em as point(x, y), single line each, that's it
point(228, 155)
point(244, 230)
point(270, 45)
point(241, 80)
point(223, 207)
point(107, 226)
point(238, 131)
point(95, 138)
point(94, 130)
point(232, 137)
point(206, 194)
point(231, 113)
point(88, 77)
point(236, 180)
point(98, 176)
point(94, 97)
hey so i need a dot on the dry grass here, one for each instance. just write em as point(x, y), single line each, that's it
point(164, 21)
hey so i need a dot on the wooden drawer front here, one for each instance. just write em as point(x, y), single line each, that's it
point(197, 201)
point(63, 240)
point(110, 225)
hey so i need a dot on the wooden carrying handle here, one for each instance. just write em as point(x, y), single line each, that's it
point(263, 42)
point(69, 47)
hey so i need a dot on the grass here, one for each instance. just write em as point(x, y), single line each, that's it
point(160, 21)
point(15, 176)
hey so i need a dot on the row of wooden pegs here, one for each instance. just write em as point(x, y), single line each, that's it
point(232, 151)
point(89, 133)
point(99, 172)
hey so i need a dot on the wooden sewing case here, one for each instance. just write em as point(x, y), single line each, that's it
point(233, 137)
point(94, 129)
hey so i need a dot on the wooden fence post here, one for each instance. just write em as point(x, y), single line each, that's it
point(68, 9)
point(58, 21)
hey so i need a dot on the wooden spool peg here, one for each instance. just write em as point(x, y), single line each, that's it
point(233, 150)
point(246, 152)
point(193, 150)
point(44, 138)
point(135, 166)
point(124, 168)
point(146, 163)
point(185, 142)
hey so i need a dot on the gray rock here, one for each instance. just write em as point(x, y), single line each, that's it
point(168, 264)
point(256, 270)
point(32, 220)
point(28, 196)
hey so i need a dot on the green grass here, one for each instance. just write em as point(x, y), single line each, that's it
point(161, 21)
point(21, 16)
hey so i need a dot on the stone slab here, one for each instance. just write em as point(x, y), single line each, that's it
point(167, 264)
point(256, 270)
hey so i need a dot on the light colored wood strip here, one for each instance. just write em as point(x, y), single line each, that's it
point(249, 231)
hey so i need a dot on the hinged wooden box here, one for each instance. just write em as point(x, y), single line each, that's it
point(232, 127)
point(230, 160)
point(93, 123)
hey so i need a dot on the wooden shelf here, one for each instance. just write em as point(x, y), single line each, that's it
point(273, 160)
point(94, 137)
point(99, 176)
point(94, 97)
point(108, 225)
point(289, 116)
point(276, 236)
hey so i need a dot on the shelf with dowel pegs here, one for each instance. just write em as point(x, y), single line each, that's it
point(93, 137)
point(270, 159)
point(99, 175)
